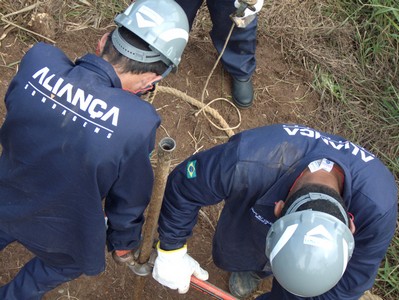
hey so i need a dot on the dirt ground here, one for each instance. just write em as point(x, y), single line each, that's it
point(283, 94)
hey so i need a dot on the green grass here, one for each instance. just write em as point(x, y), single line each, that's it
point(378, 30)
point(374, 84)
point(387, 281)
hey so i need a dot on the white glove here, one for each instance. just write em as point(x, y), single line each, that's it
point(174, 269)
point(247, 12)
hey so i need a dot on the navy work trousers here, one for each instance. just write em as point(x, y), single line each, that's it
point(239, 57)
point(40, 275)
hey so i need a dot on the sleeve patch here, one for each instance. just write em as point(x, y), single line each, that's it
point(191, 171)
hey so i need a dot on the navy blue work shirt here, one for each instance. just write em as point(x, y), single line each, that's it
point(256, 168)
point(71, 138)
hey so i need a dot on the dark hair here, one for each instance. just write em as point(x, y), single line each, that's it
point(317, 205)
point(125, 64)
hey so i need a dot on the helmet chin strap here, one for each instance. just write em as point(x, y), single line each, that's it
point(144, 91)
point(167, 71)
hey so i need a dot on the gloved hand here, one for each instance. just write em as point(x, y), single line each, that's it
point(174, 268)
point(254, 6)
point(122, 257)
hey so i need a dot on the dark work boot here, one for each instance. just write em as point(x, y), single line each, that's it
point(242, 284)
point(242, 92)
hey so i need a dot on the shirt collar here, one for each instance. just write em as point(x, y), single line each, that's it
point(101, 67)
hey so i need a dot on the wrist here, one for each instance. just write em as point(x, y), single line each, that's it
point(171, 246)
point(174, 254)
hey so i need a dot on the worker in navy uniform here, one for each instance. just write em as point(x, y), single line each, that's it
point(76, 133)
point(239, 56)
point(313, 209)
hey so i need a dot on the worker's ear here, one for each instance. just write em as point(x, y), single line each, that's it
point(279, 205)
point(139, 84)
point(101, 43)
point(352, 226)
point(153, 79)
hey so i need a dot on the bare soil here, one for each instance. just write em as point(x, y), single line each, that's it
point(283, 94)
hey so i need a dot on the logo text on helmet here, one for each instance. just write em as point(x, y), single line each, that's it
point(285, 237)
point(318, 237)
point(173, 34)
point(146, 17)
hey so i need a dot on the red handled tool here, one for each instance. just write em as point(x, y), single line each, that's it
point(210, 289)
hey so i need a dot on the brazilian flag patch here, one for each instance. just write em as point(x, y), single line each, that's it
point(191, 171)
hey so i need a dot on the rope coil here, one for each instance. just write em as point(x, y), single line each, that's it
point(205, 108)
